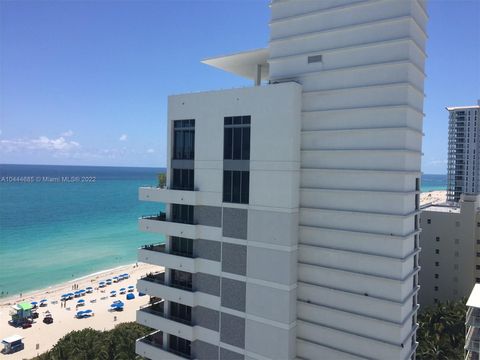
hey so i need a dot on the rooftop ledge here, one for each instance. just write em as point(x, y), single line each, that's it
point(250, 64)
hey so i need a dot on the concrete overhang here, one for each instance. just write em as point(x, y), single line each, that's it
point(245, 64)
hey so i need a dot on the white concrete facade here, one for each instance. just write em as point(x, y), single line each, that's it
point(329, 236)
point(463, 150)
point(450, 242)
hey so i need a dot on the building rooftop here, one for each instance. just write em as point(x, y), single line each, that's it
point(243, 64)
point(453, 108)
point(474, 298)
point(445, 208)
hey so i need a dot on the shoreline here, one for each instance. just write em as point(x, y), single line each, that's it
point(54, 287)
point(42, 337)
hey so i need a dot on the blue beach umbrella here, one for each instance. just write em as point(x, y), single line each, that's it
point(43, 300)
point(81, 301)
point(34, 303)
point(130, 296)
point(79, 314)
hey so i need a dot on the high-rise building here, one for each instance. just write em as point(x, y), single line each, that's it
point(472, 323)
point(291, 214)
point(463, 149)
point(450, 241)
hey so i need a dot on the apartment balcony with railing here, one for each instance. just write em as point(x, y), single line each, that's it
point(473, 317)
point(181, 258)
point(153, 346)
point(472, 340)
point(179, 286)
point(179, 223)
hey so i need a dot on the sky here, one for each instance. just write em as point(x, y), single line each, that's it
point(86, 82)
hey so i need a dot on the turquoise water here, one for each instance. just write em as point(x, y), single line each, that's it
point(51, 232)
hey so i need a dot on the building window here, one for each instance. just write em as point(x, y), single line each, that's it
point(437, 251)
point(478, 254)
point(236, 139)
point(437, 263)
point(181, 279)
point(457, 223)
point(429, 221)
point(435, 300)
point(435, 288)
point(478, 241)
point(182, 213)
point(436, 276)
point(477, 280)
point(236, 186)
point(180, 312)
point(179, 345)
point(456, 253)
point(182, 246)
point(457, 241)
point(182, 179)
point(437, 238)
point(184, 139)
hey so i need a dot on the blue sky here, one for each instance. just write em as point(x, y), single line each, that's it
point(86, 82)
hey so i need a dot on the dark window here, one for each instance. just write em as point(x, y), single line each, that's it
point(180, 312)
point(181, 279)
point(183, 179)
point(436, 276)
point(478, 254)
point(236, 139)
point(437, 238)
point(478, 267)
point(182, 213)
point(478, 242)
point(437, 251)
point(477, 280)
point(436, 288)
point(184, 139)
point(437, 263)
point(179, 345)
point(236, 186)
point(429, 221)
point(435, 300)
point(314, 59)
point(182, 246)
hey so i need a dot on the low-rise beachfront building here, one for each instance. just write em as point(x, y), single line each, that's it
point(292, 207)
point(450, 241)
point(463, 151)
point(472, 325)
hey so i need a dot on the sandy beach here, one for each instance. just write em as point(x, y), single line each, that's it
point(433, 197)
point(41, 337)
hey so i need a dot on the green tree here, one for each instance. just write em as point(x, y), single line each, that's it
point(441, 333)
point(89, 344)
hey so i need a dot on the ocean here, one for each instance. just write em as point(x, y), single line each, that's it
point(59, 223)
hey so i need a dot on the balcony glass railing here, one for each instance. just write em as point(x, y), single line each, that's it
point(161, 216)
point(155, 339)
point(161, 248)
point(158, 278)
point(154, 247)
point(158, 310)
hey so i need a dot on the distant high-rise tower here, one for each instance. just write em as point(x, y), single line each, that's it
point(463, 148)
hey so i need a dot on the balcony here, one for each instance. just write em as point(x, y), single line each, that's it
point(472, 341)
point(473, 317)
point(152, 347)
point(158, 255)
point(159, 223)
point(169, 195)
point(158, 287)
point(154, 316)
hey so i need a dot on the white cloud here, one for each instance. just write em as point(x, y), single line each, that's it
point(42, 143)
point(123, 137)
point(67, 133)
point(150, 151)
